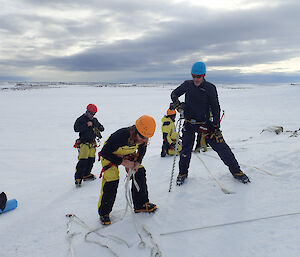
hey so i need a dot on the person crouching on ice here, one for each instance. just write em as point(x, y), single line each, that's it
point(169, 134)
point(126, 147)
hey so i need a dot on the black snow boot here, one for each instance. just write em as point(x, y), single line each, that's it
point(105, 220)
point(163, 152)
point(89, 177)
point(181, 179)
point(147, 207)
point(241, 176)
point(78, 182)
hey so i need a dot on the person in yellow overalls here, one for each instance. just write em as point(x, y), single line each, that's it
point(89, 129)
point(126, 147)
point(169, 134)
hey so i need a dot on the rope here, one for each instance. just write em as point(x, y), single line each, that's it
point(155, 252)
point(155, 249)
point(231, 223)
point(129, 200)
point(99, 243)
point(224, 190)
point(70, 237)
point(74, 218)
point(179, 122)
point(248, 166)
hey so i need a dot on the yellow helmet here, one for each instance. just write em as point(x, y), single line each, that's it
point(171, 112)
point(145, 125)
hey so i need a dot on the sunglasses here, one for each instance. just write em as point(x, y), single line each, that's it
point(198, 76)
point(92, 113)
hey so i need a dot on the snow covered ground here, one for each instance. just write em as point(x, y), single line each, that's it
point(38, 161)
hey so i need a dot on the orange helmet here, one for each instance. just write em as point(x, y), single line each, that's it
point(145, 125)
point(171, 112)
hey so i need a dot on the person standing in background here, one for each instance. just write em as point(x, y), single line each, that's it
point(201, 98)
point(89, 129)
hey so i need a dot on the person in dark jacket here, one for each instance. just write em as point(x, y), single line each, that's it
point(201, 101)
point(89, 129)
point(126, 147)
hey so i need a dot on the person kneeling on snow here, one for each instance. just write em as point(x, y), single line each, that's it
point(89, 129)
point(3, 200)
point(169, 134)
point(127, 147)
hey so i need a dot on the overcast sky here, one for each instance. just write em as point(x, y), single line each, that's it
point(134, 40)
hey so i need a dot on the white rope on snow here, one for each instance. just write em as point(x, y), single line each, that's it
point(224, 190)
point(74, 218)
point(155, 251)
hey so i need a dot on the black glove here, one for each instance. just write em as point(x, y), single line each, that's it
point(174, 105)
point(101, 128)
point(177, 105)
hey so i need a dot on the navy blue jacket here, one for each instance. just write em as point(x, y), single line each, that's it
point(86, 133)
point(199, 101)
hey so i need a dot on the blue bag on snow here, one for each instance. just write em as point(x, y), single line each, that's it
point(10, 205)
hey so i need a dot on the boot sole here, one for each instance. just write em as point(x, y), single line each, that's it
point(145, 210)
point(105, 223)
point(87, 179)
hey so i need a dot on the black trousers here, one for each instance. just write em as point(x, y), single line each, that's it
point(84, 167)
point(110, 191)
point(222, 150)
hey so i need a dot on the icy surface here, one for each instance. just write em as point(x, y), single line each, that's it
point(38, 162)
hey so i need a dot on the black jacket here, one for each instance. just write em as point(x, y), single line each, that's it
point(122, 138)
point(86, 133)
point(199, 101)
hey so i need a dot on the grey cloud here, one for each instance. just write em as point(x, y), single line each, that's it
point(175, 39)
point(243, 37)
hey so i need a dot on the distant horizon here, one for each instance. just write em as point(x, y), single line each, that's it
point(241, 80)
point(26, 82)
